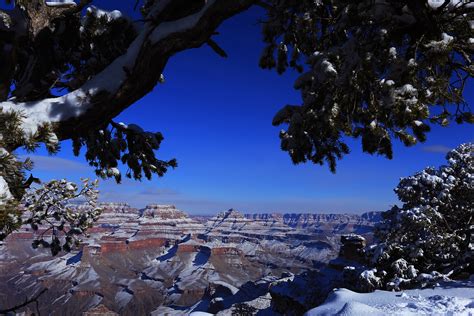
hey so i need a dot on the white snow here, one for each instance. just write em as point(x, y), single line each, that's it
point(73, 104)
point(76, 103)
point(451, 298)
point(122, 298)
point(102, 14)
point(441, 45)
point(373, 124)
point(232, 288)
point(435, 3)
point(179, 25)
point(113, 172)
point(407, 89)
point(453, 4)
point(370, 277)
point(70, 186)
point(53, 139)
point(392, 52)
point(4, 190)
point(328, 67)
point(59, 3)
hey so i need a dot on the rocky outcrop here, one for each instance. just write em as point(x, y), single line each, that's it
point(272, 233)
point(159, 259)
point(192, 246)
point(234, 227)
point(121, 228)
point(166, 221)
point(99, 310)
point(148, 243)
point(332, 223)
point(352, 247)
point(164, 212)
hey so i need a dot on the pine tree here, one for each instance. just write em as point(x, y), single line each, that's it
point(430, 236)
point(378, 71)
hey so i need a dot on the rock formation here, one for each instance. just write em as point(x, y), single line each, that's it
point(160, 260)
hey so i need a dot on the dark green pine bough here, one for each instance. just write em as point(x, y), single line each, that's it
point(377, 71)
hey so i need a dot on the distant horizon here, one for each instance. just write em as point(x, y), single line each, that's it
point(213, 213)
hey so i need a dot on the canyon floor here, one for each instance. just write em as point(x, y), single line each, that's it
point(161, 261)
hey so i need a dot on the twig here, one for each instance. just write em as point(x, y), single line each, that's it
point(216, 48)
point(27, 302)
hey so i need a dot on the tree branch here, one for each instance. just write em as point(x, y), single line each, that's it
point(264, 5)
point(27, 302)
point(39, 15)
point(443, 6)
point(129, 77)
point(215, 47)
point(77, 8)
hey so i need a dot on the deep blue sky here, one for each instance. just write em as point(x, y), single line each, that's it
point(215, 115)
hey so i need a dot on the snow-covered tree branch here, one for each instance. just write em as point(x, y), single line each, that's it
point(375, 70)
point(66, 76)
point(96, 95)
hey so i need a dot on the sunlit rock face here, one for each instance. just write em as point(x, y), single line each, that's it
point(331, 223)
point(266, 239)
point(163, 212)
point(167, 219)
point(116, 216)
point(158, 259)
point(235, 226)
point(161, 226)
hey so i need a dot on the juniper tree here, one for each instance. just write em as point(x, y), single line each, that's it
point(373, 70)
point(431, 235)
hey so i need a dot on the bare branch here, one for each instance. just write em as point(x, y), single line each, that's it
point(215, 47)
point(27, 302)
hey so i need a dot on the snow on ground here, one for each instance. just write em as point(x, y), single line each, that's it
point(261, 303)
point(232, 288)
point(450, 298)
point(122, 298)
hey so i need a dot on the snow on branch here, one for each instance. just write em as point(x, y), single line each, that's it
point(123, 82)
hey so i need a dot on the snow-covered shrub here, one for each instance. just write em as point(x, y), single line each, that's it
point(45, 208)
point(361, 280)
point(430, 236)
point(9, 216)
point(48, 210)
point(369, 280)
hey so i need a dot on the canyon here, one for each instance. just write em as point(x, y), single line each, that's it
point(161, 261)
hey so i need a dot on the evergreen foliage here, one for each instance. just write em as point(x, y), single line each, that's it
point(430, 236)
point(372, 70)
point(49, 208)
point(129, 144)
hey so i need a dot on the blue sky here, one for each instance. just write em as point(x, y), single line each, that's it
point(215, 115)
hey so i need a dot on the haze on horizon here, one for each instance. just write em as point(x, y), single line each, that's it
point(215, 115)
